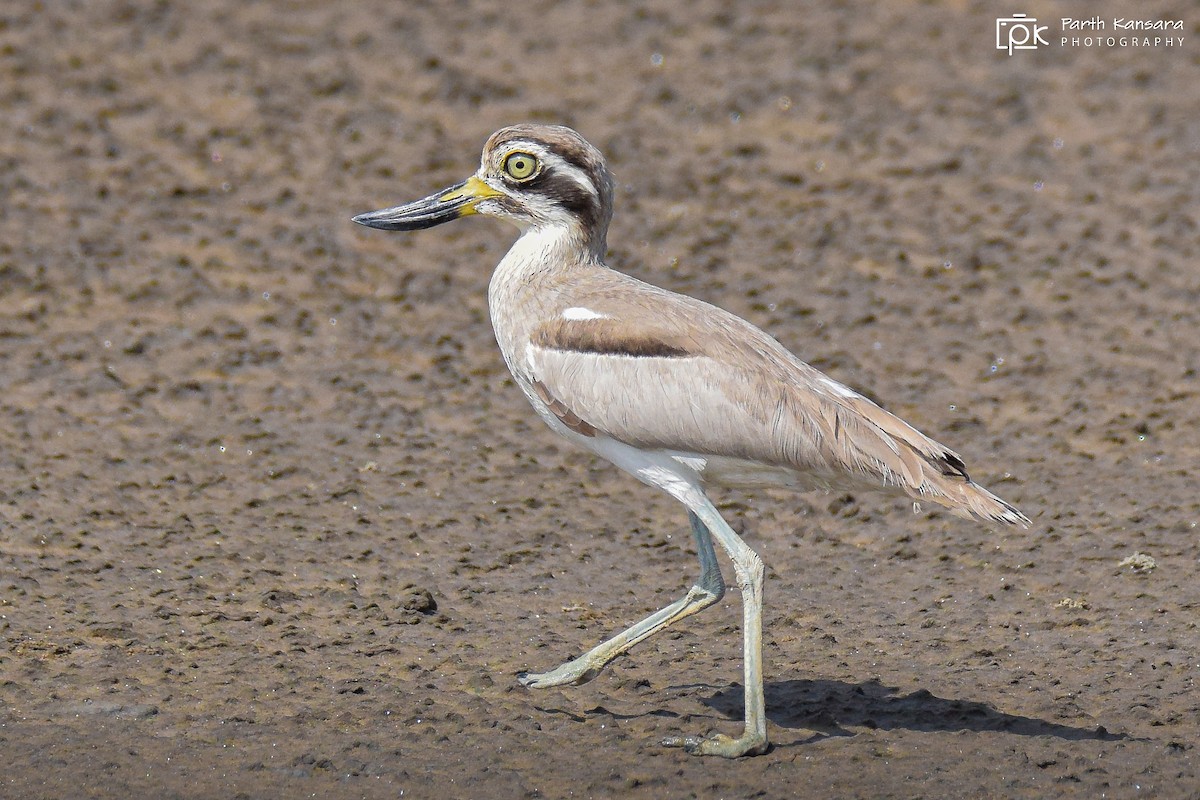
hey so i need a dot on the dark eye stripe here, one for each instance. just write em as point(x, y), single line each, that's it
point(566, 192)
point(593, 170)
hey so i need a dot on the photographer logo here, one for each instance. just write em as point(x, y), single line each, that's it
point(1019, 32)
point(1022, 32)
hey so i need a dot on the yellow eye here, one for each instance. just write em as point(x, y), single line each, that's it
point(520, 166)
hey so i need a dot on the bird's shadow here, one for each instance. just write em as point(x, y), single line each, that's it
point(833, 707)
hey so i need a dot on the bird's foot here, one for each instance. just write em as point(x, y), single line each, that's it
point(748, 744)
point(578, 671)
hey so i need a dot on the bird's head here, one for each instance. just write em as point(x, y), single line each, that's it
point(531, 175)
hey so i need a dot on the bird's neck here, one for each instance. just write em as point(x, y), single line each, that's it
point(545, 249)
point(528, 280)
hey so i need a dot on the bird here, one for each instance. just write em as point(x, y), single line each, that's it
point(681, 394)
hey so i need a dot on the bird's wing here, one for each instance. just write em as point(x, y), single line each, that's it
point(667, 372)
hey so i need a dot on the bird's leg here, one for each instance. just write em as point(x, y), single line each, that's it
point(708, 589)
point(748, 568)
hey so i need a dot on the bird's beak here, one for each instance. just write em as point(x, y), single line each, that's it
point(449, 204)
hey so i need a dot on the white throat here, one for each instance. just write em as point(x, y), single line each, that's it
point(539, 248)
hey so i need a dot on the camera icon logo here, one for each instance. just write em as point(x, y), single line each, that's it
point(1019, 32)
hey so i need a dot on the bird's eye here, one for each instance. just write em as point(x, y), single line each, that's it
point(520, 166)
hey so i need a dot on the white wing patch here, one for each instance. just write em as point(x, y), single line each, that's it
point(579, 314)
point(837, 388)
point(530, 353)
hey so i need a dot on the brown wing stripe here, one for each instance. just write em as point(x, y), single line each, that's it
point(565, 415)
point(605, 337)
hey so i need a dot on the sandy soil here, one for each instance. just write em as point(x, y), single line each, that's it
point(276, 522)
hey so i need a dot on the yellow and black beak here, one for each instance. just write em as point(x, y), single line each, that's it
point(449, 204)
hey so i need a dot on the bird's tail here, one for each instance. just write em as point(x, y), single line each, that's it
point(904, 457)
point(967, 499)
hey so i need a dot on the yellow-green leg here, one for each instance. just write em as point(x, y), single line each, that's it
point(748, 568)
point(708, 589)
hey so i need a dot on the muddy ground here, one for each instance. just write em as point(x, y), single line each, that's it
point(276, 523)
